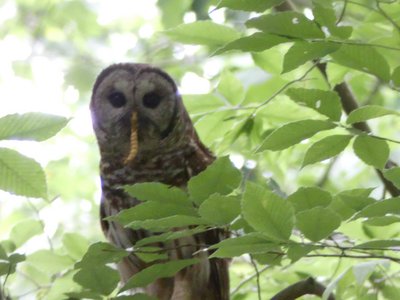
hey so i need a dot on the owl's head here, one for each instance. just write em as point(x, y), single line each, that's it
point(122, 91)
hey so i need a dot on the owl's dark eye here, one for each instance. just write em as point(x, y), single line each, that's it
point(151, 100)
point(117, 99)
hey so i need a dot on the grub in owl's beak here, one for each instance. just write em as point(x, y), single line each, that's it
point(134, 144)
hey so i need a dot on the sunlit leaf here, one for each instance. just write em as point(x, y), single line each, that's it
point(382, 221)
point(75, 244)
point(317, 223)
point(249, 5)
point(379, 244)
point(32, 126)
point(309, 197)
point(363, 58)
point(396, 77)
point(325, 148)
point(293, 133)
point(302, 52)
point(372, 151)
point(162, 270)
point(21, 175)
point(48, 261)
point(219, 209)
point(291, 24)
point(380, 208)
point(324, 102)
point(220, 177)
point(267, 212)
point(326, 17)
point(231, 88)
point(25, 230)
point(368, 112)
point(297, 251)
point(203, 33)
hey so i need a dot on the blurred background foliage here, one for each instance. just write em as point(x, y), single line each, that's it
point(50, 54)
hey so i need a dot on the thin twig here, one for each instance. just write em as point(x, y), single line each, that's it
point(257, 277)
point(342, 13)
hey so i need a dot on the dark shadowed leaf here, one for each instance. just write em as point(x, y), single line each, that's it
point(156, 271)
point(393, 175)
point(155, 191)
point(372, 151)
point(267, 212)
point(21, 175)
point(98, 278)
point(30, 126)
point(101, 253)
point(293, 133)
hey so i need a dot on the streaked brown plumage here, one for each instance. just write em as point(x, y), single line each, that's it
point(165, 148)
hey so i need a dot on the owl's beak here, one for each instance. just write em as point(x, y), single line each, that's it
point(134, 144)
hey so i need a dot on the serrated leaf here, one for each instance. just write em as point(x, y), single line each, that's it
point(293, 133)
point(325, 102)
point(291, 24)
point(25, 230)
point(231, 88)
point(152, 210)
point(368, 112)
point(396, 77)
point(30, 126)
point(372, 151)
point(309, 197)
point(21, 175)
point(249, 5)
point(380, 208)
point(379, 244)
point(98, 278)
point(325, 148)
point(220, 210)
point(203, 33)
point(256, 42)
point(317, 223)
point(302, 52)
point(267, 212)
point(101, 253)
point(75, 244)
point(251, 243)
point(393, 174)
point(221, 177)
point(363, 58)
point(155, 191)
point(156, 271)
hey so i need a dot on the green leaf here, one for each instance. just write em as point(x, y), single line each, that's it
point(317, 223)
point(256, 42)
point(363, 58)
point(382, 221)
point(325, 102)
point(167, 223)
point(159, 192)
point(21, 175)
point(203, 33)
point(267, 212)
point(379, 244)
point(30, 126)
point(393, 174)
point(25, 230)
point(156, 271)
point(75, 244)
point(168, 236)
point(153, 210)
point(49, 262)
point(138, 296)
point(220, 210)
point(149, 254)
point(293, 133)
point(297, 251)
point(251, 243)
point(306, 198)
point(98, 278)
point(221, 177)
point(249, 5)
point(372, 151)
point(356, 199)
point(231, 88)
point(396, 77)
point(380, 208)
point(291, 24)
point(368, 112)
point(302, 52)
point(101, 253)
point(325, 148)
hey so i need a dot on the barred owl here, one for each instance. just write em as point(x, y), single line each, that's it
point(144, 134)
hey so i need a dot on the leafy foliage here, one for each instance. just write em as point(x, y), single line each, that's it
point(285, 96)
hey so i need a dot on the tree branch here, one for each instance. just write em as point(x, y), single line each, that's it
point(304, 287)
